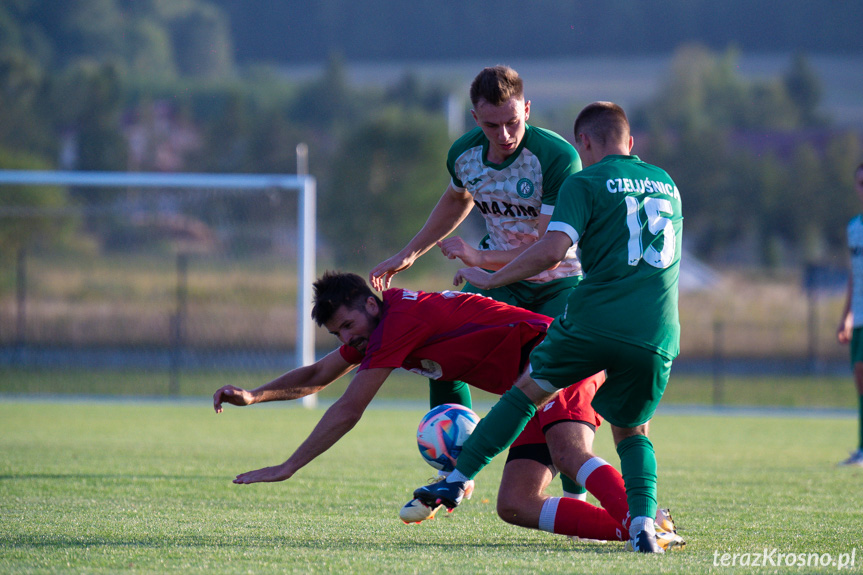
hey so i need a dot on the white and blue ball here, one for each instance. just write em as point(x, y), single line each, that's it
point(442, 432)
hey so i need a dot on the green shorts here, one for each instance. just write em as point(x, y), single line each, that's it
point(856, 345)
point(546, 298)
point(636, 376)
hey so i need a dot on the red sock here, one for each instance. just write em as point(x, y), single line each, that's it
point(580, 518)
point(606, 484)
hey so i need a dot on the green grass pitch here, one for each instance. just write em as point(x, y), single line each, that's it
point(145, 487)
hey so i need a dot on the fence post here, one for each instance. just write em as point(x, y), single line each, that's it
point(812, 329)
point(21, 305)
point(178, 323)
point(718, 363)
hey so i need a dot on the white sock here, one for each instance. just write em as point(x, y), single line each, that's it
point(589, 466)
point(641, 523)
point(548, 513)
point(456, 476)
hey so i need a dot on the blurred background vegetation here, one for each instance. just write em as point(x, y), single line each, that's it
point(201, 85)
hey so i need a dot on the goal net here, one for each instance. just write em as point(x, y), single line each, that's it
point(146, 283)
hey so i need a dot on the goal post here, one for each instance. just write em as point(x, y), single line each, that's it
point(303, 184)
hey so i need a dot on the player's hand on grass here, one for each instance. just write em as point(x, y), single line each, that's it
point(382, 275)
point(233, 395)
point(265, 475)
point(477, 277)
point(456, 247)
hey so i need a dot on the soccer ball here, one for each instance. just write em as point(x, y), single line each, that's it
point(442, 432)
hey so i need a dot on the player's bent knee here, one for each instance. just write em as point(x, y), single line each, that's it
point(514, 512)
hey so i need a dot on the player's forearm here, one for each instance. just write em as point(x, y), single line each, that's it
point(335, 423)
point(496, 259)
point(300, 382)
point(446, 216)
point(519, 269)
point(542, 255)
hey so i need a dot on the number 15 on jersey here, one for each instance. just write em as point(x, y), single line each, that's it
point(656, 213)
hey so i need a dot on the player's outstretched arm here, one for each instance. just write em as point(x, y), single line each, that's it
point(452, 208)
point(294, 384)
point(541, 255)
point(340, 418)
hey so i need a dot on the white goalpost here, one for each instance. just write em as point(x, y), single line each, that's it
point(301, 183)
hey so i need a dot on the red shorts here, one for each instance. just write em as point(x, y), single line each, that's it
point(571, 404)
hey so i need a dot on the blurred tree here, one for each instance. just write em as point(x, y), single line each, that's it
point(149, 50)
point(841, 158)
point(31, 217)
point(91, 98)
point(25, 119)
point(748, 169)
point(226, 145)
point(83, 29)
point(387, 176)
point(328, 101)
point(804, 89)
point(704, 91)
point(202, 42)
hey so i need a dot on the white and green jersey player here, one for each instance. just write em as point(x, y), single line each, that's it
point(512, 195)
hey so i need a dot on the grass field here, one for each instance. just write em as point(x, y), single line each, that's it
point(753, 390)
point(145, 487)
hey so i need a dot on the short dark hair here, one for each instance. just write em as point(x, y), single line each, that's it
point(497, 85)
point(603, 122)
point(336, 289)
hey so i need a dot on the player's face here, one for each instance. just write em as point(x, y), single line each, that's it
point(353, 327)
point(503, 125)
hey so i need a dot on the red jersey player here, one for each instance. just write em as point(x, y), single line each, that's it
point(454, 336)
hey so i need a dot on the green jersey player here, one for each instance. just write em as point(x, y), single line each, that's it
point(626, 216)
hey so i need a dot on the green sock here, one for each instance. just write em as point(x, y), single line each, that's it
point(570, 486)
point(638, 467)
point(495, 432)
point(441, 392)
point(860, 419)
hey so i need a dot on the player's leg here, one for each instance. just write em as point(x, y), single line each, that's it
point(526, 475)
point(522, 501)
point(569, 422)
point(856, 457)
point(550, 299)
point(628, 399)
point(638, 468)
point(441, 392)
point(507, 418)
point(858, 380)
point(494, 433)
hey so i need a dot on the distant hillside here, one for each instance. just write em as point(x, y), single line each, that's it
point(295, 31)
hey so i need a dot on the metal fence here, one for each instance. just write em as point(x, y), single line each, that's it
point(103, 275)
